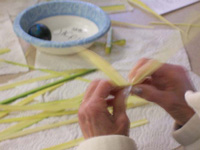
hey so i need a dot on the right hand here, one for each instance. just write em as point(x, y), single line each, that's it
point(166, 87)
point(94, 117)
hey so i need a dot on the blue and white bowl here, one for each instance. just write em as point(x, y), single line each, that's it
point(72, 23)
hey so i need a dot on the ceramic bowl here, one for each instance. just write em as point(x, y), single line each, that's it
point(72, 23)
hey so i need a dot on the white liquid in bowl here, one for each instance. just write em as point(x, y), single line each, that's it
point(69, 28)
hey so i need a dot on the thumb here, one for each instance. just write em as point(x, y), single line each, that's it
point(147, 92)
point(119, 103)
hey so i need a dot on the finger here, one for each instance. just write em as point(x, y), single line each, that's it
point(148, 92)
point(146, 70)
point(147, 80)
point(113, 93)
point(133, 71)
point(119, 103)
point(168, 74)
point(110, 102)
point(90, 90)
point(103, 89)
point(169, 70)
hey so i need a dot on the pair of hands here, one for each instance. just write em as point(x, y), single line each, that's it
point(165, 87)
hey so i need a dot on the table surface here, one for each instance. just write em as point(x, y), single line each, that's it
point(139, 16)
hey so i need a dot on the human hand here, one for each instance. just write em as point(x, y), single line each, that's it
point(166, 87)
point(94, 117)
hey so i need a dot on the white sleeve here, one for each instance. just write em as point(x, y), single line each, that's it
point(109, 142)
point(193, 100)
point(189, 135)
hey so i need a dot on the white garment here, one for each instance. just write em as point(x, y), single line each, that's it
point(188, 135)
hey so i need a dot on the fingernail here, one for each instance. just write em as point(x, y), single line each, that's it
point(130, 79)
point(133, 79)
point(136, 90)
point(127, 91)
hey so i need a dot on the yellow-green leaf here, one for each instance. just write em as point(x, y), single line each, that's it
point(104, 66)
point(125, 24)
point(66, 145)
point(75, 142)
point(177, 24)
point(148, 9)
point(38, 116)
point(109, 42)
point(138, 123)
point(119, 42)
point(16, 128)
point(30, 99)
point(13, 85)
point(11, 135)
point(114, 8)
point(65, 79)
point(4, 50)
point(135, 101)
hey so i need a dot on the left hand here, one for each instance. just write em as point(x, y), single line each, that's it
point(94, 117)
point(165, 87)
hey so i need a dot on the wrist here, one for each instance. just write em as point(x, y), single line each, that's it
point(189, 133)
point(181, 112)
point(185, 117)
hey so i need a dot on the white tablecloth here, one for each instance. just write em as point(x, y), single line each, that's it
point(8, 39)
point(140, 43)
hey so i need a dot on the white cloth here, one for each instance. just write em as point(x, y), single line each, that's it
point(147, 137)
point(188, 136)
point(12, 7)
point(110, 142)
point(110, 3)
point(193, 99)
point(165, 6)
point(8, 39)
point(139, 43)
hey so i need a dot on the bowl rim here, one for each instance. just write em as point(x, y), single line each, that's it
point(55, 44)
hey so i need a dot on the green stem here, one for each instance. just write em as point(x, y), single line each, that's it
point(9, 100)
